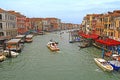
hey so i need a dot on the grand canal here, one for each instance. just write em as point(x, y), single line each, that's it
point(37, 62)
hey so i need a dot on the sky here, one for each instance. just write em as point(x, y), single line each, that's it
point(69, 11)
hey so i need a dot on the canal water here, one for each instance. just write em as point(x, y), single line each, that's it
point(37, 62)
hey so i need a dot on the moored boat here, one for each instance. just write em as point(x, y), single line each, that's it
point(115, 57)
point(53, 46)
point(103, 64)
point(41, 33)
point(29, 38)
point(14, 45)
point(97, 45)
point(2, 58)
point(84, 45)
point(22, 37)
point(10, 54)
point(115, 64)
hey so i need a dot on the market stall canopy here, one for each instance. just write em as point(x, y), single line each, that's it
point(108, 42)
point(88, 36)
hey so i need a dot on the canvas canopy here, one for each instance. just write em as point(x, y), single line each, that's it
point(108, 42)
point(88, 36)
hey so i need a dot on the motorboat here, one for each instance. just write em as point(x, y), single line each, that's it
point(115, 64)
point(10, 54)
point(103, 64)
point(53, 46)
point(29, 38)
point(2, 58)
point(14, 45)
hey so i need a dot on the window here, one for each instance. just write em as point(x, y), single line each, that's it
point(105, 26)
point(0, 16)
point(1, 34)
point(111, 33)
point(0, 25)
point(13, 24)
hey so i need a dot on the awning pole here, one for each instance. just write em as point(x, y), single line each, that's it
point(103, 51)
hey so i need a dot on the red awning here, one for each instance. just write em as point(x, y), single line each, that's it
point(94, 36)
point(108, 42)
point(88, 36)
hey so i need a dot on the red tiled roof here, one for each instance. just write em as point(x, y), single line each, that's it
point(1, 10)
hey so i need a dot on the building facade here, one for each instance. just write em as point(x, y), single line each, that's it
point(107, 24)
point(8, 25)
point(21, 22)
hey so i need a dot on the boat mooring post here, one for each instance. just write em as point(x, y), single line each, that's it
point(9, 52)
point(103, 51)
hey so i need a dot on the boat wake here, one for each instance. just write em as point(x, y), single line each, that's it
point(98, 70)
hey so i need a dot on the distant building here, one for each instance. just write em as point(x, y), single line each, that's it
point(28, 24)
point(37, 24)
point(66, 26)
point(52, 24)
point(46, 25)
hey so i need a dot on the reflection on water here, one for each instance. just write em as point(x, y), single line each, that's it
point(37, 62)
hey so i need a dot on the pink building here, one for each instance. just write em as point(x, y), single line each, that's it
point(21, 22)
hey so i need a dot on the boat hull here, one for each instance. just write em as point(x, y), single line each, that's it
point(104, 67)
point(2, 58)
point(52, 48)
point(115, 64)
point(13, 54)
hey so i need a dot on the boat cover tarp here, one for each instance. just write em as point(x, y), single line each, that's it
point(115, 63)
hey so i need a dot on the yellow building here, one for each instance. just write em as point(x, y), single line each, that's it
point(117, 31)
point(108, 27)
point(104, 24)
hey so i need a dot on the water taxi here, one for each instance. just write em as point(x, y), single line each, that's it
point(53, 46)
point(22, 37)
point(103, 64)
point(14, 45)
point(29, 38)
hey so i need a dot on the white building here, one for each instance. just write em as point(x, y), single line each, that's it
point(8, 25)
